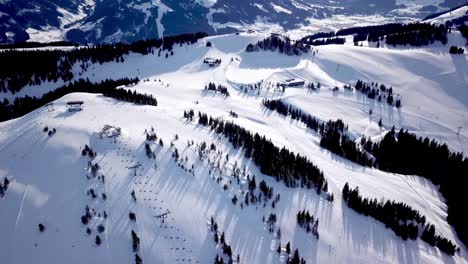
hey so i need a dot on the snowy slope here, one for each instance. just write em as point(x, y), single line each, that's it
point(449, 16)
point(48, 173)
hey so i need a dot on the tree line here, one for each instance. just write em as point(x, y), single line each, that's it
point(318, 35)
point(419, 35)
point(308, 222)
point(402, 153)
point(408, 154)
point(400, 217)
point(333, 133)
point(293, 169)
point(32, 67)
point(374, 91)
point(29, 45)
point(325, 41)
point(414, 34)
point(217, 88)
point(281, 44)
point(221, 240)
point(456, 50)
point(23, 105)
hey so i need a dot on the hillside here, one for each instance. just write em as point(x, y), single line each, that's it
point(48, 174)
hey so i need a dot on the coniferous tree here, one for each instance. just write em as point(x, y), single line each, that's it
point(98, 240)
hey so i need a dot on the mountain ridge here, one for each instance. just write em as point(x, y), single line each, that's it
point(98, 21)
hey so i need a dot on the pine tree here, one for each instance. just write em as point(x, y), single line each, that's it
point(132, 216)
point(98, 240)
point(222, 239)
point(296, 259)
point(138, 260)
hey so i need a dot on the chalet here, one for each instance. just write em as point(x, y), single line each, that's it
point(212, 62)
point(292, 83)
point(75, 106)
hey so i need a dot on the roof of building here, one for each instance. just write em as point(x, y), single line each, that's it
point(75, 102)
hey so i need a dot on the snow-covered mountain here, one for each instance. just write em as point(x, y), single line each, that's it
point(51, 183)
point(126, 20)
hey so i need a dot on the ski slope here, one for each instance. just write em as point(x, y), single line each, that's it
point(48, 174)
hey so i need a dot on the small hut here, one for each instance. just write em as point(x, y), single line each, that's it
point(74, 106)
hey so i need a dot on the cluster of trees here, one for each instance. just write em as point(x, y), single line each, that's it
point(135, 241)
point(136, 246)
point(130, 96)
point(318, 35)
point(278, 162)
point(151, 135)
point(457, 21)
point(265, 191)
point(296, 114)
point(442, 243)
point(4, 187)
point(312, 87)
point(325, 41)
point(334, 136)
point(282, 44)
point(403, 153)
point(50, 132)
point(271, 222)
point(373, 91)
point(233, 114)
point(456, 50)
point(23, 105)
point(87, 216)
point(32, 67)
point(203, 119)
point(399, 217)
point(419, 35)
point(88, 151)
point(149, 153)
point(464, 31)
point(227, 250)
point(217, 88)
point(408, 154)
point(296, 259)
point(189, 114)
point(29, 45)
point(335, 139)
point(307, 221)
point(414, 34)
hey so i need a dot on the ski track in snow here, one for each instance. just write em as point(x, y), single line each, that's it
point(21, 206)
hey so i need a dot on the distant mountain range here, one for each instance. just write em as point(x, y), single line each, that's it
point(96, 21)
